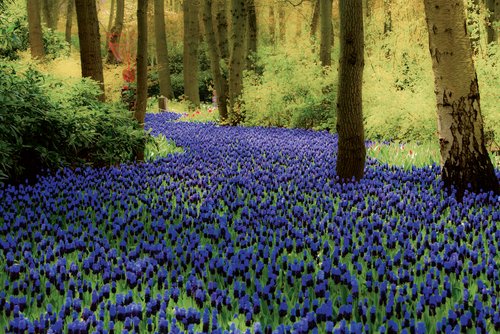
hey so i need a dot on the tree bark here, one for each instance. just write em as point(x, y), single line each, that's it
point(272, 25)
point(387, 16)
point(114, 56)
point(90, 49)
point(69, 20)
point(49, 8)
point(162, 50)
point(220, 83)
point(252, 32)
point(237, 60)
point(142, 67)
point(464, 159)
point(111, 14)
point(326, 32)
point(351, 148)
point(282, 23)
point(191, 44)
point(492, 20)
point(315, 17)
point(221, 29)
point(35, 30)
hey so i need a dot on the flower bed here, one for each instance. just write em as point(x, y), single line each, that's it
point(247, 230)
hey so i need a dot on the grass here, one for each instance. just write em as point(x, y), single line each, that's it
point(161, 147)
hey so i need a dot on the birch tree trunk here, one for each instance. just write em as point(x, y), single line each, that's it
point(351, 148)
point(90, 48)
point(35, 30)
point(326, 32)
point(114, 56)
point(191, 43)
point(220, 83)
point(162, 50)
point(464, 158)
point(142, 67)
point(237, 60)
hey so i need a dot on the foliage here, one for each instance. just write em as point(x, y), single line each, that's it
point(160, 147)
point(14, 34)
point(249, 229)
point(291, 89)
point(405, 155)
point(45, 123)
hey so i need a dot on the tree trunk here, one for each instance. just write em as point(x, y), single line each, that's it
point(69, 20)
point(492, 20)
point(90, 48)
point(191, 43)
point(298, 27)
point(111, 14)
point(272, 25)
point(35, 30)
point(282, 23)
point(162, 50)
point(252, 33)
point(315, 17)
point(351, 148)
point(237, 60)
point(221, 29)
point(50, 9)
point(220, 83)
point(387, 16)
point(142, 67)
point(114, 56)
point(464, 158)
point(326, 32)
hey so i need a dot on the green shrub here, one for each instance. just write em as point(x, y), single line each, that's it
point(47, 124)
point(290, 90)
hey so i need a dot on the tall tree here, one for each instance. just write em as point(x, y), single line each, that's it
point(114, 56)
point(191, 44)
point(237, 58)
point(221, 28)
point(282, 23)
point(162, 50)
point(111, 14)
point(387, 16)
point(315, 17)
point(464, 158)
point(251, 31)
point(220, 82)
point(142, 67)
point(326, 32)
point(272, 24)
point(90, 48)
point(69, 20)
point(35, 29)
point(494, 10)
point(50, 11)
point(351, 148)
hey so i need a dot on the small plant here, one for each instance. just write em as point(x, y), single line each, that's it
point(160, 147)
point(406, 155)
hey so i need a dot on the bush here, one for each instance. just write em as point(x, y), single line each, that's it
point(292, 90)
point(47, 124)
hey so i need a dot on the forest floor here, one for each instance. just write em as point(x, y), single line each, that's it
point(248, 228)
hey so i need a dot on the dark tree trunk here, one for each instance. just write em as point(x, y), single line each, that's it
point(162, 50)
point(221, 28)
point(90, 48)
point(351, 149)
point(49, 8)
point(114, 56)
point(111, 14)
point(252, 32)
point(315, 17)
point(237, 60)
point(191, 44)
point(142, 67)
point(282, 23)
point(69, 20)
point(465, 163)
point(35, 30)
point(326, 32)
point(220, 83)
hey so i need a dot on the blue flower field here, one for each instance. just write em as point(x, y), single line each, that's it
point(247, 231)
